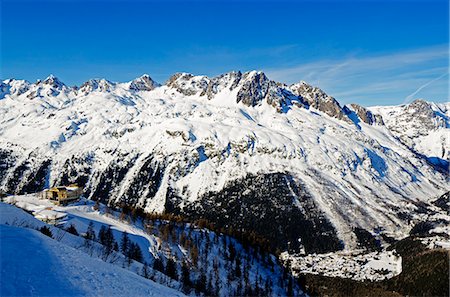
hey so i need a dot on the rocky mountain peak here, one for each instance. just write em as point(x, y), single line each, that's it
point(420, 106)
point(143, 83)
point(318, 99)
point(363, 114)
point(420, 125)
point(424, 113)
point(228, 80)
point(54, 82)
point(91, 85)
point(188, 84)
point(254, 88)
point(14, 87)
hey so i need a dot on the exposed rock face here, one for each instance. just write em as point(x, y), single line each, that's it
point(187, 84)
point(144, 183)
point(19, 87)
point(101, 85)
point(319, 100)
point(7, 161)
point(426, 117)
point(143, 83)
point(54, 82)
point(421, 116)
point(76, 170)
point(4, 89)
point(257, 87)
point(228, 80)
point(254, 89)
point(422, 126)
point(443, 202)
point(364, 114)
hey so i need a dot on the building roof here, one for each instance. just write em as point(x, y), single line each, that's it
point(64, 188)
point(47, 214)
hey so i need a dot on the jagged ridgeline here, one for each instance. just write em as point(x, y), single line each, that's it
point(287, 164)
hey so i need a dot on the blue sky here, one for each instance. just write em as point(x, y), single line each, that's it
point(369, 52)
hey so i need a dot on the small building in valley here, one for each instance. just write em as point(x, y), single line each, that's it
point(49, 215)
point(63, 195)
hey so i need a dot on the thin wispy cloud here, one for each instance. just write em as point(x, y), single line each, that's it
point(382, 79)
point(411, 96)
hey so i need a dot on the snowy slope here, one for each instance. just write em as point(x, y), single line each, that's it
point(422, 125)
point(54, 269)
point(214, 258)
point(33, 264)
point(173, 145)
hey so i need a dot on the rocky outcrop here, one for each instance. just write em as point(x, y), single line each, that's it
point(4, 89)
point(443, 202)
point(364, 114)
point(255, 88)
point(23, 176)
point(143, 83)
point(188, 84)
point(418, 125)
point(423, 112)
point(144, 184)
point(54, 83)
point(13, 87)
point(228, 80)
point(318, 99)
point(101, 85)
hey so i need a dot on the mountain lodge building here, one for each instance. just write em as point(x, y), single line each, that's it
point(63, 195)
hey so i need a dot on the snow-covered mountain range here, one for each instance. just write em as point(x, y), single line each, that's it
point(239, 149)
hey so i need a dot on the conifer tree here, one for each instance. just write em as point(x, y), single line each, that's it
point(90, 233)
point(106, 238)
point(145, 270)
point(194, 255)
point(267, 288)
point(185, 278)
point(158, 265)
point(239, 288)
point(289, 289)
point(72, 230)
point(135, 252)
point(171, 269)
point(89, 237)
point(124, 243)
point(209, 287)
point(237, 267)
point(46, 231)
point(216, 285)
point(200, 285)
